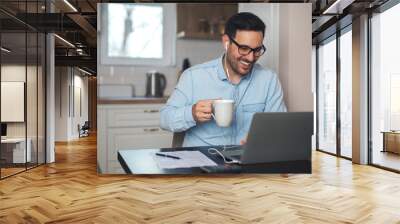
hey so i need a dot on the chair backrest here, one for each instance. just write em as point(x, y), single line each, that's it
point(177, 139)
point(86, 125)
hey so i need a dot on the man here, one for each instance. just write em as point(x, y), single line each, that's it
point(235, 75)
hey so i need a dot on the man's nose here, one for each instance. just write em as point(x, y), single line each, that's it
point(250, 57)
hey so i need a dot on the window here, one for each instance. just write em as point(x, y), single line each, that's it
point(327, 96)
point(22, 79)
point(385, 88)
point(135, 34)
point(346, 94)
point(140, 36)
point(394, 101)
point(335, 93)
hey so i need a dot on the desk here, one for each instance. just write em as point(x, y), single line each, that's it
point(141, 161)
point(15, 148)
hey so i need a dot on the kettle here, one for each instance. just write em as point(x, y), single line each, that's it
point(155, 84)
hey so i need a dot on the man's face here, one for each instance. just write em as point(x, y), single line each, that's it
point(242, 64)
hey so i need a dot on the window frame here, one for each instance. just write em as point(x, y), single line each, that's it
point(334, 37)
point(329, 39)
point(342, 32)
point(371, 14)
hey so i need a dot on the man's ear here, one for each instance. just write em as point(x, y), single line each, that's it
point(225, 41)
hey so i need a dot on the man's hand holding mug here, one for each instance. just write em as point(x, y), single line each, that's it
point(202, 110)
point(220, 110)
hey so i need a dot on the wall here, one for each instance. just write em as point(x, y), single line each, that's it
point(288, 30)
point(62, 82)
point(295, 55)
point(198, 51)
point(269, 14)
point(81, 114)
point(69, 112)
point(16, 72)
point(33, 127)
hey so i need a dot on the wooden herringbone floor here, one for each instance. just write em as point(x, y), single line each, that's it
point(70, 191)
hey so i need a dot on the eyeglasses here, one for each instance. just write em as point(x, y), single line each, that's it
point(245, 50)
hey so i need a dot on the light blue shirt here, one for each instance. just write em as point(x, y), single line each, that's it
point(258, 91)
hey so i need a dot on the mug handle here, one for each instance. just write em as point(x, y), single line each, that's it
point(212, 115)
point(212, 111)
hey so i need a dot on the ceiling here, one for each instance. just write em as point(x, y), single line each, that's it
point(76, 22)
point(329, 16)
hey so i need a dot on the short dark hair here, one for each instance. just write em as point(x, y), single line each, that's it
point(244, 21)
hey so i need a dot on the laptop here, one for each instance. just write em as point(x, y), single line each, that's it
point(276, 137)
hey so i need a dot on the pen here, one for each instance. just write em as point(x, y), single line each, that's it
point(173, 157)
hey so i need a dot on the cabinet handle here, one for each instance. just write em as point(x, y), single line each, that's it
point(151, 129)
point(151, 111)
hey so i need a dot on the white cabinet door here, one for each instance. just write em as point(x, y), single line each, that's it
point(128, 117)
point(128, 127)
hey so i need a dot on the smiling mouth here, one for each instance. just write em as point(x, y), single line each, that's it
point(246, 64)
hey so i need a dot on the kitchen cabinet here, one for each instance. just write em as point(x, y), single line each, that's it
point(203, 21)
point(127, 126)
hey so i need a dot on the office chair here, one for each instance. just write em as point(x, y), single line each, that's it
point(84, 130)
point(177, 139)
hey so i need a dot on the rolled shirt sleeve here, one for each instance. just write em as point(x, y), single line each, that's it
point(176, 115)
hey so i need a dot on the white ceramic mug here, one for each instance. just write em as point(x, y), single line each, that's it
point(223, 112)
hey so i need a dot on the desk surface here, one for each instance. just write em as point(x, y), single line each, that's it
point(141, 161)
point(390, 132)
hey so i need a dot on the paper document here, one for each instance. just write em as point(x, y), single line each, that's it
point(187, 159)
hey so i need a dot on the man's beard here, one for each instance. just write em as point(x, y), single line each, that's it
point(234, 64)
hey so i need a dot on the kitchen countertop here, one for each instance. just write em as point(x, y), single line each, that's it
point(132, 100)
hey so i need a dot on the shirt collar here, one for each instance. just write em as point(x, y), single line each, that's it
point(221, 72)
point(220, 68)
